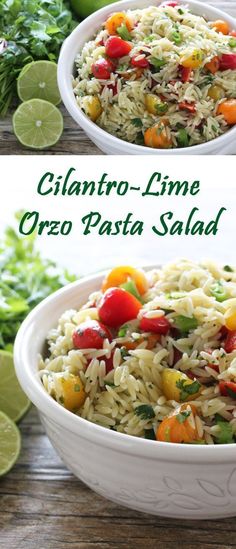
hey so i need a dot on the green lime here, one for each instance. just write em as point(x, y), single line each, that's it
point(38, 80)
point(13, 400)
point(10, 443)
point(85, 7)
point(37, 124)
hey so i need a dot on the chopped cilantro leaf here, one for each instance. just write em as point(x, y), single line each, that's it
point(123, 330)
point(144, 411)
point(182, 416)
point(187, 389)
point(124, 352)
point(137, 122)
point(225, 436)
point(228, 269)
point(149, 434)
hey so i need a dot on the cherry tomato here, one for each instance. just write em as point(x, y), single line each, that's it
point(116, 47)
point(185, 106)
point(232, 33)
point(159, 325)
point(213, 65)
point(227, 388)
point(102, 69)
point(228, 109)
point(109, 363)
point(220, 26)
point(185, 73)
point(117, 20)
point(90, 335)
point(177, 355)
point(118, 307)
point(124, 273)
point(170, 4)
point(228, 61)
point(230, 342)
point(141, 63)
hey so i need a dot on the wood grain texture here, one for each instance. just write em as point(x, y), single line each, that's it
point(43, 506)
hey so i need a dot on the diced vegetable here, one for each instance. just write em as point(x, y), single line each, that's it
point(228, 388)
point(228, 110)
point(232, 42)
point(92, 107)
point(102, 69)
point(149, 434)
point(232, 33)
point(216, 92)
point(144, 411)
point(228, 269)
point(220, 26)
point(109, 363)
point(179, 387)
point(176, 37)
point(230, 342)
point(157, 63)
point(179, 427)
point(225, 436)
point(69, 391)
point(170, 4)
point(213, 65)
point(131, 287)
point(116, 22)
point(182, 138)
point(90, 335)
point(142, 63)
point(193, 61)
point(158, 325)
point(123, 274)
point(117, 307)
point(185, 73)
point(115, 47)
point(219, 292)
point(158, 136)
point(228, 61)
point(185, 323)
point(154, 105)
point(185, 106)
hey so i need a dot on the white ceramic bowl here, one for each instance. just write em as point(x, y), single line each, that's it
point(225, 144)
point(174, 480)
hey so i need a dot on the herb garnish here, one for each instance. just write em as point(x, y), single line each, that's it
point(144, 411)
point(187, 389)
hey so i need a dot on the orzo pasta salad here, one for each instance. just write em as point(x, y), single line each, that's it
point(162, 77)
point(151, 354)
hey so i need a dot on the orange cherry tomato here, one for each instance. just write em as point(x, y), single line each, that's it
point(120, 275)
point(179, 427)
point(220, 26)
point(117, 20)
point(158, 136)
point(228, 109)
point(213, 65)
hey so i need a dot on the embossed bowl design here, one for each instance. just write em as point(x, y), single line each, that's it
point(173, 480)
point(225, 144)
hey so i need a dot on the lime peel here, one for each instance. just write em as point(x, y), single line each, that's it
point(10, 443)
point(13, 401)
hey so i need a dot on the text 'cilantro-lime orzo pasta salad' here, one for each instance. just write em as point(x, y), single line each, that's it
point(151, 354)
point(160, 76)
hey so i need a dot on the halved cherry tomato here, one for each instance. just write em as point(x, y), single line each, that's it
point(157, 136)
point(220, 26)
point(185, 106)
point(227, 388)
point(232, 33)
point(117, 20)
point(230, 342)
point(185, 73)
point(140, 63)
point(179, 427)
point(159, 325)
point(118, 307)
point(120, 275)
point(213, 65)
point(170, 4)
point(116, 47)
point(102, 69)
point(227, 61)
point(90, 335)
point(228, 109)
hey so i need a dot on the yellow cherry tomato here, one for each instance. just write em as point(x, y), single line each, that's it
point(192, 61)
point(230, 321)
point(121, 275)
point(69, 391)
point(179, 427)
point(158, 136)
point(92, 107)
point(154, 105)
point(228, 109)
point(216, 93)
point(220, 26)
point(176, 386)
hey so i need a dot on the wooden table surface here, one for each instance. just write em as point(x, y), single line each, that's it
point(43, 506)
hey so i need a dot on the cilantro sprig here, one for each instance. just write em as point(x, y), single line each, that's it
point(187, 389)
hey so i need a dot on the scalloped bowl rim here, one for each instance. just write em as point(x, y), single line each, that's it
point(31, 384)
point(65, 69)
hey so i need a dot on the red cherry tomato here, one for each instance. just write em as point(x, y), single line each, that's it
point(228, 61)
point(177, 355)
point(141, 63)
point(185, 73)
point(90, 335)
point(114, 88)
point(228, 388)
point(116, 47)
point(185, 106)
point(159, 325)
point(230, 342)
point(118, 307)
point(232, 33)
point(170, 4)
point(109, 363)
point(102, 69)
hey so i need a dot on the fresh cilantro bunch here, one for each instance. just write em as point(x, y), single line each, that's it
point(29, 30)
point(25, 279)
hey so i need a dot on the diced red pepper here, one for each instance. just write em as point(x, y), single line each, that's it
point(228, 61)
point(159, 325)
point(227, 388)
point(230, 342)
point(141, 63)
point(109, 363)
point(113, 87)
point(116, 47)
point(223, 332)
point(185, 73)
point(177, 355)
point(185, 106)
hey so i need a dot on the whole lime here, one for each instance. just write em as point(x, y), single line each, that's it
point(83, 8)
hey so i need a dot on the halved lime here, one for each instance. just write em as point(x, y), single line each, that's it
point(37, 124)
point(13, 400)
point(38, 80)
point(10, 443)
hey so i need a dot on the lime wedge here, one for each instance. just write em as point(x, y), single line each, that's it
point(37, 124)
point(38, 80)
point(13, 400)
point(10, 443)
